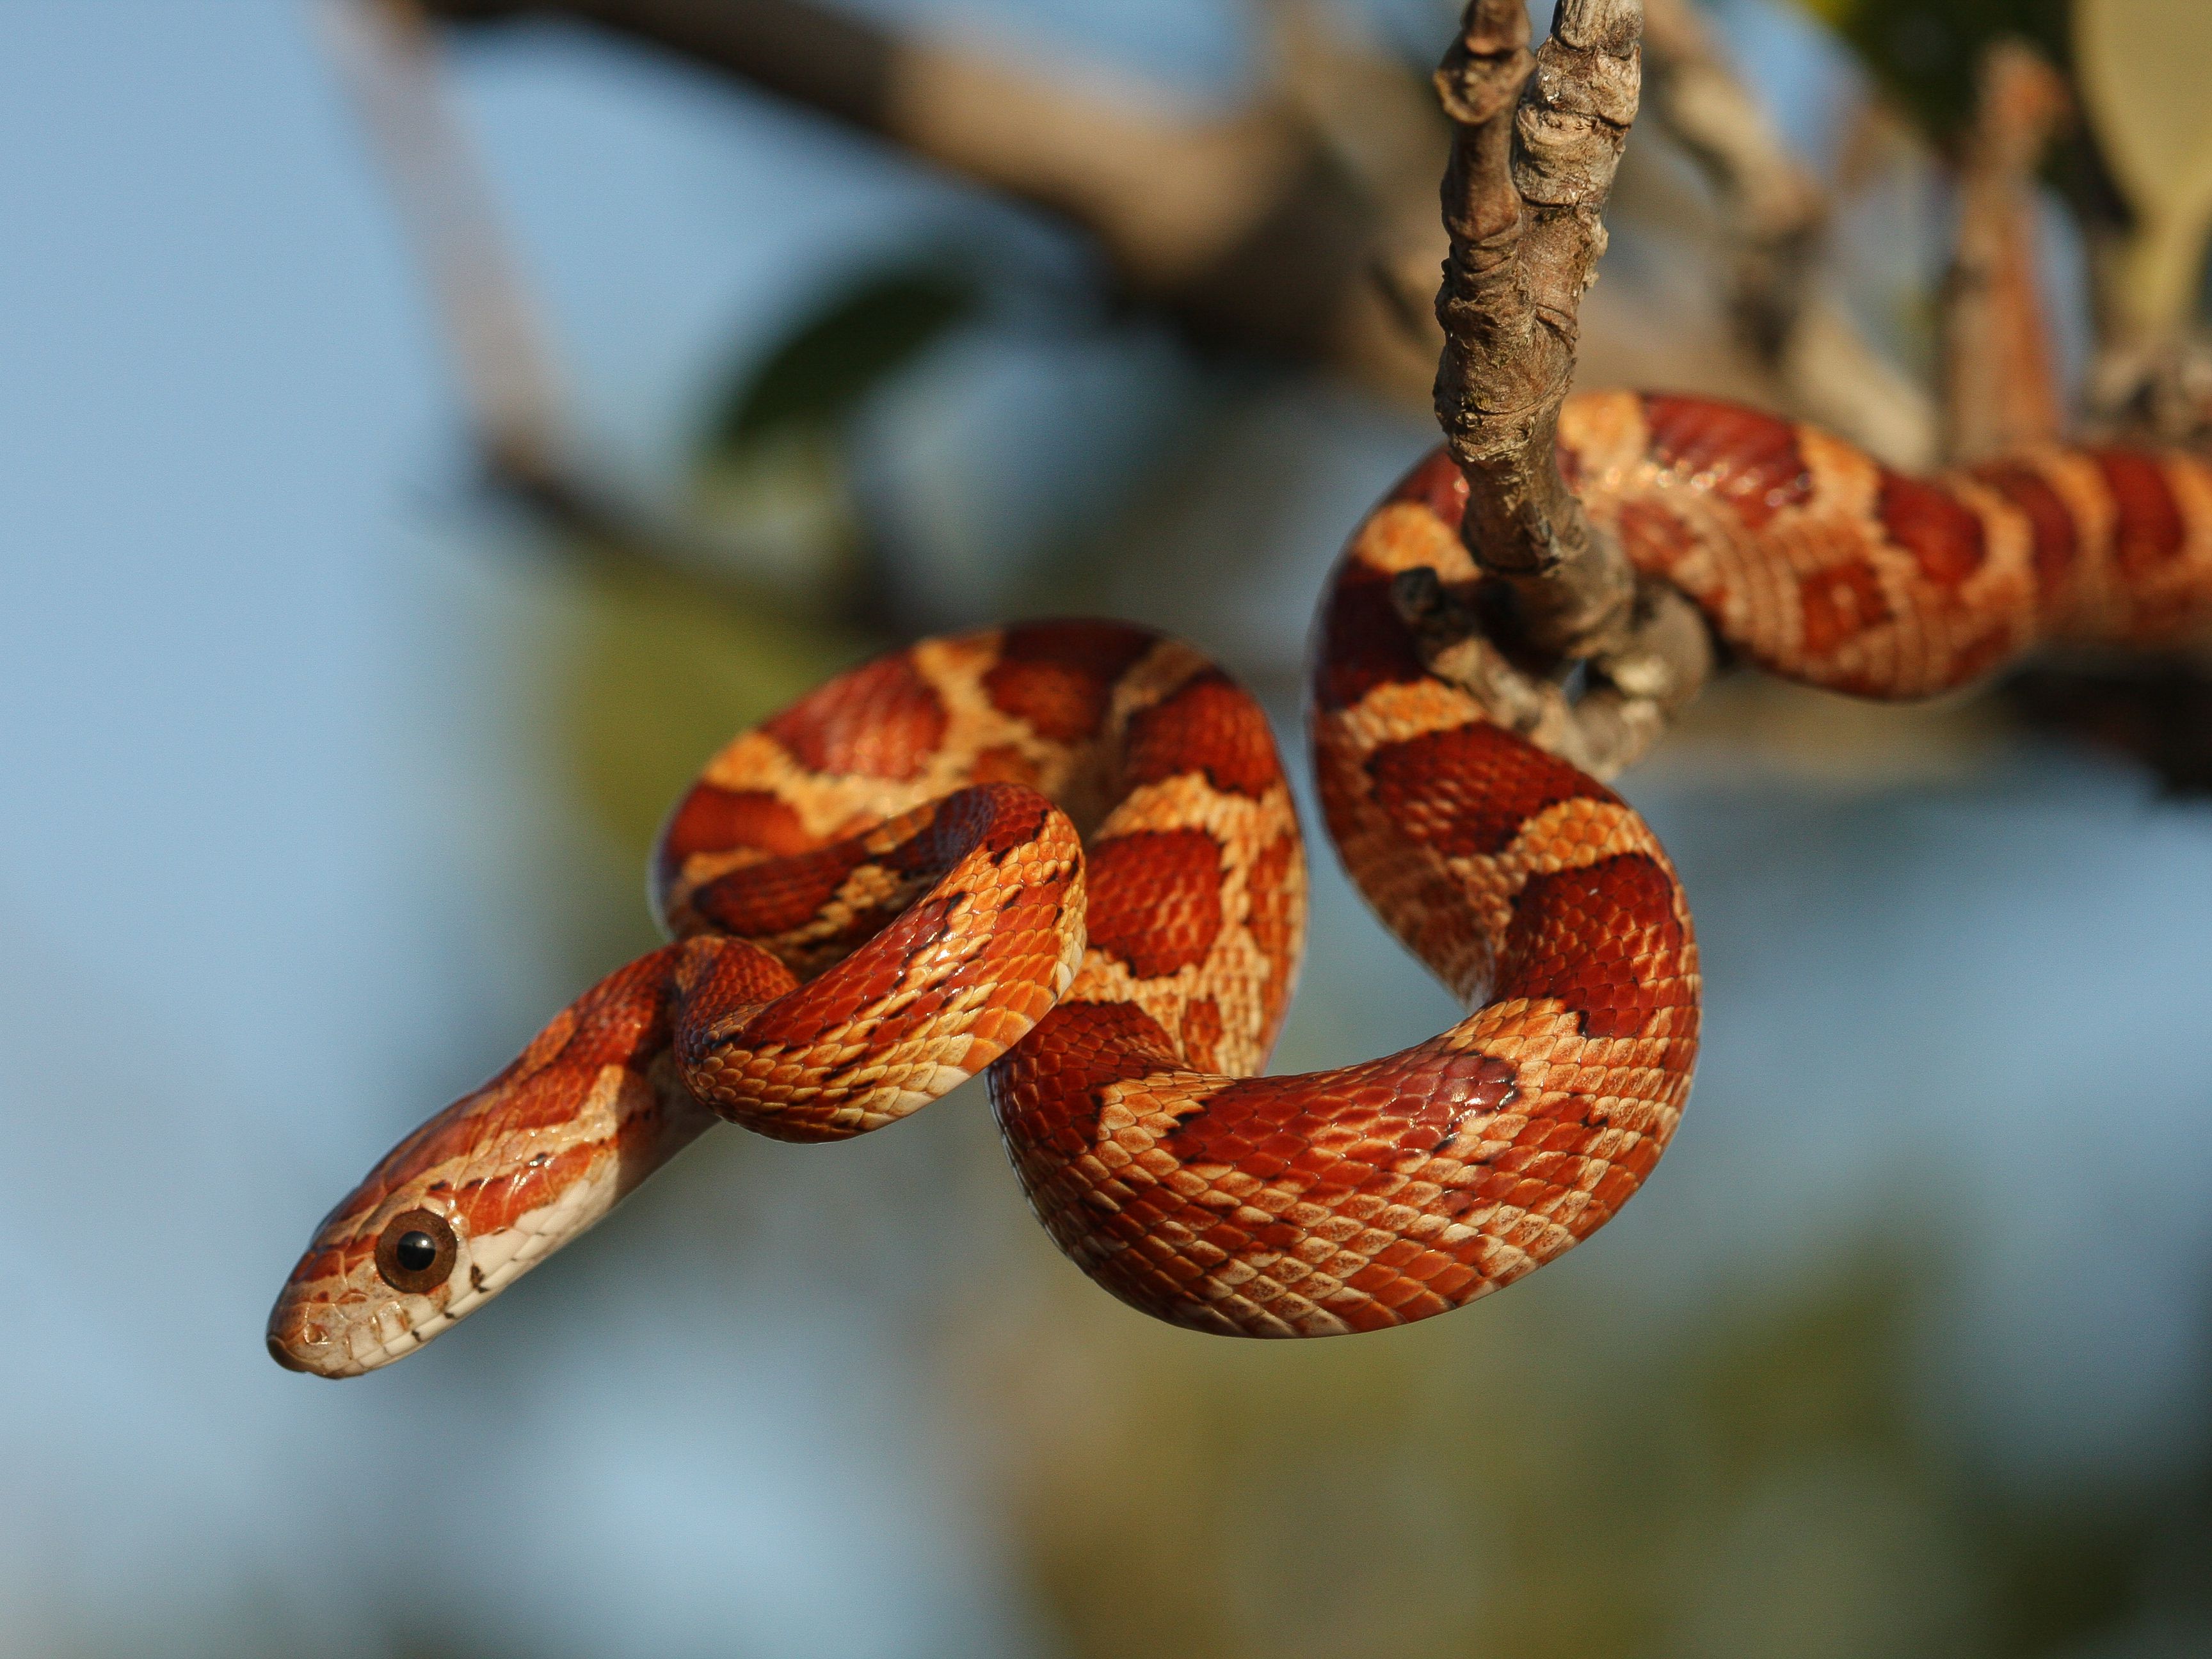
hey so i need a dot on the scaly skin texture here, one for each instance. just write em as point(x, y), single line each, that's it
point(983, 933)
point(879, 892)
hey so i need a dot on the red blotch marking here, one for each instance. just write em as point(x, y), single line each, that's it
point(1977, 656)
point(544, 1100)
point(1201, 1034)
point(1437, 483)
point(1059, 677)
point(1210, 726)
point(2057, 538)
point(1156, 899)
point(717, 975)
point(1840, 603)
point(1269, 918)
point(1468, 790)
point(1332, 1131)
point(881, 721)
point(995, 817)
point(1363, 643)
point(1005, 764)
point(1748, 459)
point(1603, 939)
point(1945, 537)
point(868, 976)
point(2149, 532)
point(714, 820)
point(1024, 914)
point(779, 896)
point(623, 1020)
point(1046, 1090)
point(1654, 539)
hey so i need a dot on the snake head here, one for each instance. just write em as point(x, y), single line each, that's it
point(477, 1196)
point(494, 1184)
point(377, 1284)
point(469, 1203)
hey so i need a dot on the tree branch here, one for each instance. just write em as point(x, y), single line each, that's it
point(508, 382)
point(1775, 210)
point(506, 372)
point(1241, 227)
point(1536, 144)
point(1521, 201)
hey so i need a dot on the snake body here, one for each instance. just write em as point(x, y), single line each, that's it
point(1065, 854)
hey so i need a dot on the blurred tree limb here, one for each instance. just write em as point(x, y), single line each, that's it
point(1243, 228)
point(1773, 216)
point(2000, 384)
point(1301, 226)
point(504, 368)
point(1298, 227)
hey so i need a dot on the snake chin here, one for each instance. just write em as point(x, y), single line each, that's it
point(351, 1334)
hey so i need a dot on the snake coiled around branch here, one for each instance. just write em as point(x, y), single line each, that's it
point(1065, 854)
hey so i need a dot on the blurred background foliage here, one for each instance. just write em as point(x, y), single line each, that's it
point(1750, 1480)
point(1906, 1351)
point(1923, 54)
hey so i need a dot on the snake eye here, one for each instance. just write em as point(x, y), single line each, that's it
point(415, 1252)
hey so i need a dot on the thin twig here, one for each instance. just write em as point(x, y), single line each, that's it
point(1774, 210)
point(390, 61)
point(1536, 141)
point(506, 372)
point(1521, 201)
point(2000, 383)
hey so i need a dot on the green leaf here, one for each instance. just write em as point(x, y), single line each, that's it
point(1923, 51)
point(842, 352)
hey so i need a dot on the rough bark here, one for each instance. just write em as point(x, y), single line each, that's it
point(1521, 197)
point(1536, 140)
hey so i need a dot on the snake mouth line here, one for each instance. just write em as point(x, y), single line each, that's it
point(344, 1334)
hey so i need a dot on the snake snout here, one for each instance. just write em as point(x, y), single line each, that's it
point(300, 1336)
point(342, 1311)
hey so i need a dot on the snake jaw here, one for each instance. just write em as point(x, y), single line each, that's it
point(338, 1317)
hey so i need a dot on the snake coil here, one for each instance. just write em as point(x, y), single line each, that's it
point(1065, 854)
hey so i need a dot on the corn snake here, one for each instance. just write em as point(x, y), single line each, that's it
point(1066, 855)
